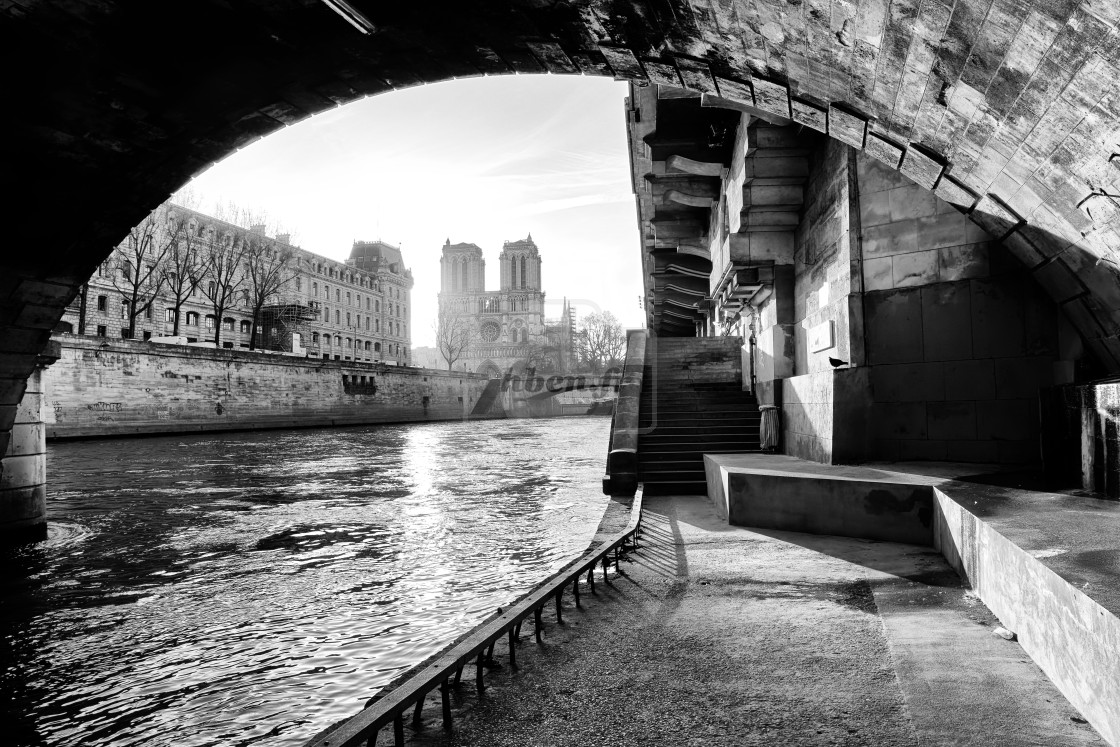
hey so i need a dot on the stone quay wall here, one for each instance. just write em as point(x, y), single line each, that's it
point(102, 387)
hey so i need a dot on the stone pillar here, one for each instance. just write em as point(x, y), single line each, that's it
point(23, 468)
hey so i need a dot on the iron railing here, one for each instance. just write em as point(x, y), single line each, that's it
point(446, 671)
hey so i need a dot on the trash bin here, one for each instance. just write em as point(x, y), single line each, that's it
point(768, 430)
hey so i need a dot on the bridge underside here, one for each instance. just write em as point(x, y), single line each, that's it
point(1007, 109)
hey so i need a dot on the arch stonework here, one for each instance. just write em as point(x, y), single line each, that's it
point(1007, 109)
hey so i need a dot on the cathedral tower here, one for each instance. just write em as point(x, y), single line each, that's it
point(462, 269)
point(521, 265)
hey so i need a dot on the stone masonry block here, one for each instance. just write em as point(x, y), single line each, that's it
point(735, 90)
point(922, 169)
point(962, 262)
point(878, 274)
point(810, 115)
point(1023, 249)
point(771, 97)
point(623, 62)
point(902, 420)
point(955, 193)
point(23, 471)
point(874, 209)
point(28, 438)
point(696, 75)
point(995, 217)
point(662, 73)
point(1022, 378)
point(908, 382)
point(915, 268)
point(947, 321)
point(898, 237)
point(970, 379)
point(928, 450)
point(884, 149)
point(1003, 419)
point(1058, 281)
point(912, 202)
point(999, 320)
point(952, 420)
point(972, 451)
point(893, 326)
point(846, 127)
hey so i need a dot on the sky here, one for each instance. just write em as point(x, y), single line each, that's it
point(482, 160)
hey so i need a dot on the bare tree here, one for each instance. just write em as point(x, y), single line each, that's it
point(185, 265)
point(454, 333)
point(268, 271)
point(601, 340)
point(138, 278)
point(224, 277)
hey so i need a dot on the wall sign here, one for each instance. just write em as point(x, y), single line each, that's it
point(820, 337)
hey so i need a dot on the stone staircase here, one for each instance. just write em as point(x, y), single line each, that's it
point(692, 403)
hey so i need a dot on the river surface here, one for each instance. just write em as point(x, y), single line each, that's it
point(251, 589)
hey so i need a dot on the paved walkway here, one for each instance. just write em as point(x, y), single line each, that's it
point(717, 635)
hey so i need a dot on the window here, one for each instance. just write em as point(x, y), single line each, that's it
point(314, 338)
point(246, 326)
point(315, 289)
point(124, 309)
point(148, 312)
point(170, 316)
point(367, 303)
point(124, 333)
point(327, 340)
point(228, 324)
point(377, 325)
point(147, 335)
point(377, 347)
point(337, 316)
point(299, 284)
point(348, 299)
point(326, 314)
point(367, 344)
point(101, 331)
point(349, 343)
point(377, 306)
point(192, 318)
point(337, 295)
point(327, 291)
point(358, 298)
point(367, 324)
point(211, 289)
point(102, 303)
point(210, 321)
point(347, 318)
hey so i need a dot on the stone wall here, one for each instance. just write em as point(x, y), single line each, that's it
point(959, 338)
point(119, 387)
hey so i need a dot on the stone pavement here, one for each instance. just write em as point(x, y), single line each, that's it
point(718, 635)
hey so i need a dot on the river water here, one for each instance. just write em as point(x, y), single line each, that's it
point(251, 589)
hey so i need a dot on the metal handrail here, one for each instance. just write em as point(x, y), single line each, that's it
point(446, 670)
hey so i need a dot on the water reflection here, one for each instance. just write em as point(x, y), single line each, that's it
point(252, 588)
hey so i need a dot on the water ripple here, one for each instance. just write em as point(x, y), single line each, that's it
point(250, 589)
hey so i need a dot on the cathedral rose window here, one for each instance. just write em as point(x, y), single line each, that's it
point(490, 331)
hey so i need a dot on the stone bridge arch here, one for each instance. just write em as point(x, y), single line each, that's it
point(1007, 109)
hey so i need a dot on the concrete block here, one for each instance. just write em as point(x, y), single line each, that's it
point(878, 274)
point(878, 510)
point(915, 268)
point(962, 262)
point(912, 202)
point(952, 421)
point(901, 420)
point(893, 324)
point(1004, 420)
point(947, 321)
point(908, 382)
point(970, 379)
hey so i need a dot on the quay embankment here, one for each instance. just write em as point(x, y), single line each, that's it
point(102, 387)
point(720, 635)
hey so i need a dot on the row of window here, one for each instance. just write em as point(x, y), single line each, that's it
point(348, 343)
point(355, 322)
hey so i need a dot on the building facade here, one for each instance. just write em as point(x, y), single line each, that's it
point(358, 310)
point(508, 327)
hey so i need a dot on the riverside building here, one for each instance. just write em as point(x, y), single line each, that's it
point(357, 310)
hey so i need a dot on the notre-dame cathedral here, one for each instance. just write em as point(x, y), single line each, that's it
point(507, 323)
